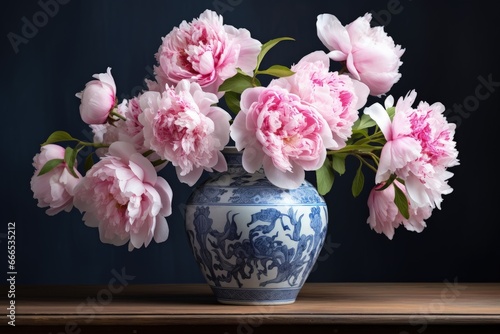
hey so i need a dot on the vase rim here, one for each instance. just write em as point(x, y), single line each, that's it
point(231, 150)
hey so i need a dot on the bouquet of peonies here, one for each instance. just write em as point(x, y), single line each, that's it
point(306, 119)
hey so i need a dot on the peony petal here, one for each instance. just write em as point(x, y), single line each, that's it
point(141, 237)
point(384, 168)
point(143, 167)
point(122, 150)
point(206, 64)
point(221, 165)
point(249, 96)
point(402, 151)
point(107, 78)
point(377, 112)
point(239, 132)
point(380, 82)
point(252, 159)
point(396, 154)
point(353, 70)
point(286, 180)
point(332, 33)
point(221, 121)
point(362, 92)
point(417, 192)
point(166, 195)
point(249, 48)
point(389, 102)
point(317, 57)
point(133, 186)
point(137, 171)
point(190, 178)
point(161, 231)
point(337, 55)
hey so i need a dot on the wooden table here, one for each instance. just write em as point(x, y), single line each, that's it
point(398, 308)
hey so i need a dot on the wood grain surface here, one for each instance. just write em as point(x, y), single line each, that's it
point(414, 306)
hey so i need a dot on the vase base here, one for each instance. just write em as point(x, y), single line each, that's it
point(255, 302)
point(255, 296)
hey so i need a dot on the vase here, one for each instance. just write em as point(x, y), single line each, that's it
point(254, 242)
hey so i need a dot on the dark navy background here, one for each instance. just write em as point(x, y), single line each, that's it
point(450, 54)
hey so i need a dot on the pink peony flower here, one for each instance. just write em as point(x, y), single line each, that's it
point(336, 96)
point(419, 149)
point(123, 196)
point(183, 127)
point(54, 189)
point(128, 130)
point(370, 55)
point(205, 51)
point(280, 132)
point(98, 98)
point(384, 214)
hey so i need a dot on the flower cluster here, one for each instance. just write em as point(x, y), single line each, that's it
point(309, 117)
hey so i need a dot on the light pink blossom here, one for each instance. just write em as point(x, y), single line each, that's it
point(280, 132)
point(385, 216)
point(370, 55)
point(182, 126)
point(205, 51)
point(54, 189)
point(419, 149)
point(128, 129)
point(336, 96)
point(123, 196)
point(98, 98)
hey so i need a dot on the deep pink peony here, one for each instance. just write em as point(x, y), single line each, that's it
point(54, 189)
point(98, 98)
point(385, 216)
point(182, 126)
point(370, 55)
point(336, 96)
point(205, 51)
point(419, 149)
point(281, 133)
point(124, 197)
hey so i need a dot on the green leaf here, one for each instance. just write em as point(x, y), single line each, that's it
point(232, 101)
point(50, 165)
point(358, 182)
point(358, 134)
point(89, 162)
point(267, 46)
point(401, 202)
point(237, 83)
point(338, 163)
point(387, 183)
point(58, 136)
point(70, 158)
point(364, 122)
point(277, 71)
point(325, 178)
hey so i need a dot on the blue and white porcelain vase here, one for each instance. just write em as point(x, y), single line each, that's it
point(255, 243)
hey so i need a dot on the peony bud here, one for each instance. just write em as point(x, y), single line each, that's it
point(54, 190)
point(98, 98)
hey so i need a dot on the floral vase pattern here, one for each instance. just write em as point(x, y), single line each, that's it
point(255, 243)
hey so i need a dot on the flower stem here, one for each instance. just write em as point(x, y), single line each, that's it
point(114, 113)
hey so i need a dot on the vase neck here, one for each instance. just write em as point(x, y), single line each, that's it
point(233, 156)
